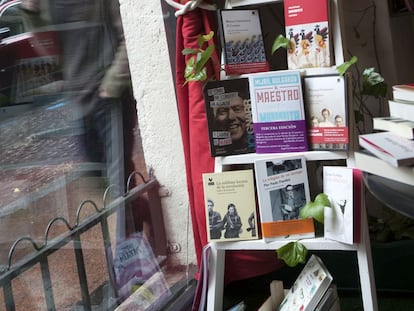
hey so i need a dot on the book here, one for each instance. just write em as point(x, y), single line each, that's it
point(369, 163)
point(326, 103)
point(278, 112)
point(403, 92)
point(390, 147)
point(308, 26)
point(242, 41)
point(399, 126)
point(401, 109)
point(282, 190)
point(330, 300)
point(309, 287)
point(230, 204)
point(344, 188)
point(229, 117)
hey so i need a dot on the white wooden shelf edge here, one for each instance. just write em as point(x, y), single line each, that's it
point(250, 157)
point(311, 244)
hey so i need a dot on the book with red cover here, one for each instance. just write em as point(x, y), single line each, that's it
point(307, 25)
point(344, 188)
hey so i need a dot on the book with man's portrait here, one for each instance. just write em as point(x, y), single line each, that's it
point(229, 117)
point(230, 205)
point(283, 189)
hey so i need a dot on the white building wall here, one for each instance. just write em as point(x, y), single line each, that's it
point(158, 117)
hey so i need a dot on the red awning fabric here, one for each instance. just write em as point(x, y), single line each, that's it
point(192, 114)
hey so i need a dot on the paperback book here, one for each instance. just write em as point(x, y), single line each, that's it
point(307, 26)
point(282, 190)
point(327, 112)
point(309, 287)
point(242, 41)
point(230, 204)
point(399, 126)
point(344, 188)
point(404, 92)
point(278, 111)
point(394, 149)
point(229, 117)
point(401, 109)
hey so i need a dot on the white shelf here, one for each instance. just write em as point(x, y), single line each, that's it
point(311, 244)
point(251, 157)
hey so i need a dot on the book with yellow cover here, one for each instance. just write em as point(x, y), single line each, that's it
point(230, 204)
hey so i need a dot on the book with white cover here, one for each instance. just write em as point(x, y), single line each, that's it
point(369, 163)
point(390, 147)
point(400, 109)
point(399, 126)
point(403, 92)
point(343, 186)
point(283, 189)
point(309, 287)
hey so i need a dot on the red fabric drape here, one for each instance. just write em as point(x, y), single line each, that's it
point(192, 114)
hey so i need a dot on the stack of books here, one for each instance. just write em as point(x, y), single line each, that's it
point(389, 151)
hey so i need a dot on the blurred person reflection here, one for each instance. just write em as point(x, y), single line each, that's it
point(96, 78)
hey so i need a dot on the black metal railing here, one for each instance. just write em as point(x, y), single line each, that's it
point(41, 253)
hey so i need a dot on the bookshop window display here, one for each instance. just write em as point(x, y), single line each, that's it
point(75, 194)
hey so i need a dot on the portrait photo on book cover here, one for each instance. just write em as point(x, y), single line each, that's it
point(286, 201)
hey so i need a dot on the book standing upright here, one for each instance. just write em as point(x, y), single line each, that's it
point(282, 190)
point(278, 111)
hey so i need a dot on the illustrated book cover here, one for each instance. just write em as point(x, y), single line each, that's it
point(401, 109)
point(229, 117)
point(404, 92)
point(327, 112)
point(278, 111)
point(309, 287)
point(242, 41)
point(399, 126)
point(344, 188)
point(307, 26)
point(230, 204)
point(283, 189)
point(392, 148)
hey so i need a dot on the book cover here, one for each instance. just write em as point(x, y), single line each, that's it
point(242, 41)
point(389, 147)
point(399, 126)
point(369, 163)
point(278, 111)
point(307, 26)
point(343, 186)
point(229, 117)
point(230, 204)
point(403, 92)
point(401, 109)
point(309, 287)
point(327, 112)
point(283, 189)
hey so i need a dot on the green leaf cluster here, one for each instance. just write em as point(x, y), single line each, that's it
point(316, 208)
point(195, 69)
point(292, 253)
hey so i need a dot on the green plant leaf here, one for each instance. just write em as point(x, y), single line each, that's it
point(189, 51)
point(203, 57)
point(343, 68)
point(373, 83)
point(315, 209)
point(292, 253)
point(280, 42)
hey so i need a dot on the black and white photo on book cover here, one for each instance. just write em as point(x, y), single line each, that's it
point(242, 41)
point(326, 106)
point(283, 189)
point(229, 117)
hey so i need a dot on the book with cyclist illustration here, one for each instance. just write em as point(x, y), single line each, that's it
point(282, 190)
point(230, 206)
point(229, 117)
